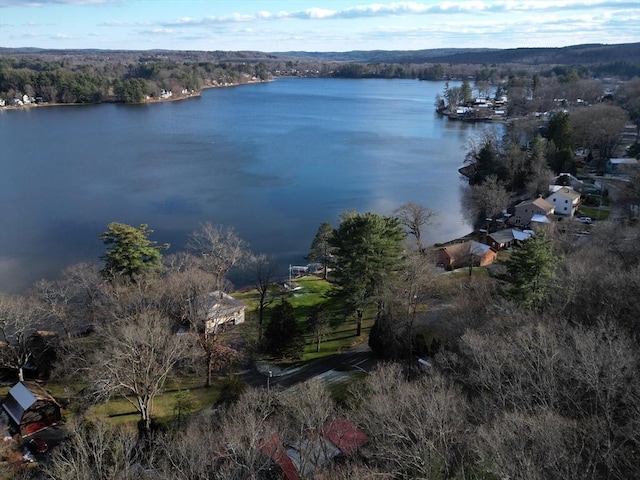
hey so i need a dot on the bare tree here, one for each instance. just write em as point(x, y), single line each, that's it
point(537, 446)
point(187, 296)
point(220, 250)
point(96, 450)
point(484, 201)
point(56, 298)
point(415, 217)
point(600, 125)
point(416, 429)
point(18, 321)
point(405, 300)
point(138, 355)
point(262, 269)
point(225, 445)
point(86, 282)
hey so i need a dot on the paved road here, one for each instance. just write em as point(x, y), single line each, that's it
point(359, 358)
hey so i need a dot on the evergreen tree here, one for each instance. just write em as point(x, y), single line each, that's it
point(321, 250)
point(283, 337)
point(129, 251)
point(466, 93)
point(530, 267)
point(368, 250)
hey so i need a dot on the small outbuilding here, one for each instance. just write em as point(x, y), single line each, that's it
point(30, 409)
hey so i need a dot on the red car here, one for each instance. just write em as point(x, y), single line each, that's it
point(37, 445)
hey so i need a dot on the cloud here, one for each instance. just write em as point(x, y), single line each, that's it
point(159, 31)
point(411, 8)
point(44, 3)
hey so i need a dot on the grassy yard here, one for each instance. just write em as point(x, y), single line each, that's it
point(594, 212)
point(121, 411)
point(316, 291)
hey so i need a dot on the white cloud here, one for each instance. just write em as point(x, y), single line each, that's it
point(43, 3)
point(410, 8)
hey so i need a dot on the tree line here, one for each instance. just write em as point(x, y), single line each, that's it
point(102, 80)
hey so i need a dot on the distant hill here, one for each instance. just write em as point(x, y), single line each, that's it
point(577, 54)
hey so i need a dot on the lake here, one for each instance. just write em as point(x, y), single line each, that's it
point(272, 160)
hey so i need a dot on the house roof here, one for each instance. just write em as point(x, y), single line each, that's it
point(314, 450)
point(273, 448)
point(311, 453)
point(344, 435)
point(20, 398)
point(509, 234)
point(521, 236)
point(540, 218)
point(478, 249)
point(623, 161)
point(218, 304)
point(18, 401)
point(538, 202)
point(570, 193)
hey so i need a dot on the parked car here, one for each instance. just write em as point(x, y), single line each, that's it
point(585, 220)
point(37, 445)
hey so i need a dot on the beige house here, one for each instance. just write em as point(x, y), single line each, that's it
point(524, 211)
point(222, 309)
point(565, 201)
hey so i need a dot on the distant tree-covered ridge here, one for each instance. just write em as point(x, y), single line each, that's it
point(94, 76)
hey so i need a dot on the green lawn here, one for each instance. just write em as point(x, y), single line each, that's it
point(121, 411)
point(316, 291)
point(594, 212)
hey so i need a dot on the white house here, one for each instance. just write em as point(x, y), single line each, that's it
point(222, 309)
point(565, 201)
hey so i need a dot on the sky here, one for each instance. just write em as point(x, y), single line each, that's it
point(314, 25)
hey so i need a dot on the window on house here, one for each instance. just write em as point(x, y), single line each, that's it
point(566, 201)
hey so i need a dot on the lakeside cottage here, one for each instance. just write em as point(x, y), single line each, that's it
point(222, 309)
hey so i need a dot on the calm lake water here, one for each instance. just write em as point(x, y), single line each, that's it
point(272, 160)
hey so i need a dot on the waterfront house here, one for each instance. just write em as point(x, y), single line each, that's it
point(565, 201)
point(222, 309)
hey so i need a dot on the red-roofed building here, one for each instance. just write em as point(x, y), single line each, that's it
point(336, 438)
point(274, 449)
point(344, 435)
